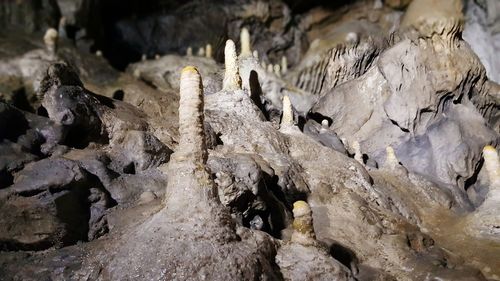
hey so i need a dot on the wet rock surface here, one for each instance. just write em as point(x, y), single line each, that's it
point(358, 141)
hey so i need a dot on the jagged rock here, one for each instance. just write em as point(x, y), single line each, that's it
point(430, 123)
point(478, 28)
point(140, 150)
point(99, 118)
point(246, 188)
point(52, 202)
point(299, 262)
point(164, 72)
point(29, 15)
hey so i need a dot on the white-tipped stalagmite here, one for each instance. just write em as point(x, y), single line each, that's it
point(492, 166)
point(232, 79)
point(352, 38)
point(324, 126)
point(255, 54)
point(157, 57)
point(270, 68)
point(303, 230)
point(191, 130)
point(189, 51)
point(263, 64)
point(391, 161)
point(208, 51)
point(284, 65)
point(246, 49)
point(277, 70)
point(50, 39)
point(144, 57)
point(358, 155)
point(98, 53)
point(287, 116)
point(201, 52)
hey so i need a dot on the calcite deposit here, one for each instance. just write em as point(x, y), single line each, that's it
point(249, 140)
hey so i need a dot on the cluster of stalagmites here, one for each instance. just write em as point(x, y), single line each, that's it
point(192, 151)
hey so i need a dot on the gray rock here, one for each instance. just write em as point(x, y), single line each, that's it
point(64, 205)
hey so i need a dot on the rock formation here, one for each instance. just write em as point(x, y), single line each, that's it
point(355, 140)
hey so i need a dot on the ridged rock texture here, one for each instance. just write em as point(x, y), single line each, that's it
point(249, 140)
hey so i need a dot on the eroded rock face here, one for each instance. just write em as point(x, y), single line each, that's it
point(430, 114)
point(359, 161)
point(60, 209)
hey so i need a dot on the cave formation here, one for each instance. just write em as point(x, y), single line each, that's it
point(249, 140)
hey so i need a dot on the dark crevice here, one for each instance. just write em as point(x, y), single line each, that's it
point(129, 168)
point(318, 117)
point(119, 95)
point(401, 128)
point(344, 255)
point(6, 179)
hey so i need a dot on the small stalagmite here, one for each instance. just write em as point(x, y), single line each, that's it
point(270, 68)
point(50, 39)
point(208, 51)
point(287, 117)
point(232, 79)
point(303, 230)
point(284, 65)
point(492, 166)
point(189, 51)
point(277, 70)
point(255, 54)
point(246, 49)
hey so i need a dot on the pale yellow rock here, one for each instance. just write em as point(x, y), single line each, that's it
point(246, 49)
point(391, 161)
point(284, 65)
point(208, 51)
point(277, 70)
point(232, 79)
point(191, 128)
point(287, 118)
point(255, 54)
point(50, 39)
point(303, 230)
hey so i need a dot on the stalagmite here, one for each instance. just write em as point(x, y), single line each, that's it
point(191, 131)
point(324, 126)
point(157, 57)
point(98, 53)
point(255, 54)
point(270, 68)
point(208, 51)
point(492, 166)
point(189, 51)
point(50, 39)
point(246, 50)
point(284, 65)
point(352, 38)
point(232, 79)
point(303, 231)
point(287, 118)
point(277, 70)
point(391, 161)
point(144, 57)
